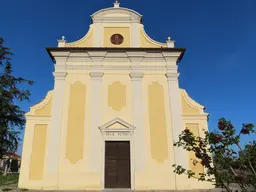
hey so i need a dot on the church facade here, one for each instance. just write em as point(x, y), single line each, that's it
point(114, 113)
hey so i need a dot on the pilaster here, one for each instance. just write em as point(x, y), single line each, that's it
point(98, 34)
point(138, 120)
point(135, 35)
point(54, 132)
point(95, 135)
point(180, 155)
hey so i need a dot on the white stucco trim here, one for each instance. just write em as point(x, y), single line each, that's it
point(138, 121)
point(169, 58)
point(51, 169)
point(197, 117)
point(135, 35)
point(192, 102)
point(97, 35)
point(118, 67)
point(151, 40)
point(94, 163)
point(116, 134)
point(180, 155)
point(106, 15)
point(38, 118)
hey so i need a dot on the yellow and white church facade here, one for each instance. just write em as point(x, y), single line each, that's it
point(114, 113)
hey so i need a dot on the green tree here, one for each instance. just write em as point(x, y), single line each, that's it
point(12, 118)
point(215, 152)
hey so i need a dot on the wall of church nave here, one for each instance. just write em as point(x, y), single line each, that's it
point(74, 173)
point(116, 98)
point(158, 177)
point(34, 153)
point(79, 181)
point(197, 126)
point(158, 172)
point(157, 119)
point(75, 131)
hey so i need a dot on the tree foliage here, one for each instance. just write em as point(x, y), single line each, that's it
point(216, 153)
point(12, 117)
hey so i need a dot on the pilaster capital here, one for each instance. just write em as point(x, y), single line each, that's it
point(136, 76)
point(59, 75)
point(96, 75)
point(136, 57)
point(172, 76)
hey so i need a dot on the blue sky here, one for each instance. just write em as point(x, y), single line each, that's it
point(218, 69)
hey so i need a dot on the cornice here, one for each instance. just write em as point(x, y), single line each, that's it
point(135, 55)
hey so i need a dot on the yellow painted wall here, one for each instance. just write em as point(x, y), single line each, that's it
point(75, 175)
point(188, 109)
point(73, 171)
point(38, 152)
point(76, 116)
point(116, 96)
point(109, 31)
point(157, 122)
point(45, 110)
point(146, 180)
point(195, 167)
point(86, 41)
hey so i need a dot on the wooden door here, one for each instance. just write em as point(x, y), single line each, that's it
point(117, 164)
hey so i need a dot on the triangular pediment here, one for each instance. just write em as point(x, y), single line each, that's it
point(116, 124)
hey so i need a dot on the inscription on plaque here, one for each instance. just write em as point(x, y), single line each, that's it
point(120, 134)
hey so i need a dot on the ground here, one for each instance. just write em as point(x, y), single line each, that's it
point(9, 182)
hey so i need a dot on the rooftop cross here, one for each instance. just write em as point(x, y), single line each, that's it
point(116, 4)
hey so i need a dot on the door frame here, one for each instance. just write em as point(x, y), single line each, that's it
point(124, 133)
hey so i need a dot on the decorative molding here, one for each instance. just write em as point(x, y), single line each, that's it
point(32, 117)
point(172, 76)
point(40, 105)
point(115, 134)
point(59, 75)
point(107, 16)
point(151, 40)
point(136, 75)
point(60, 55)
point(96, 75)
point(135, 56)
point(117, 67)
point(196, 117)
point(106, 126)
point(191, 102)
